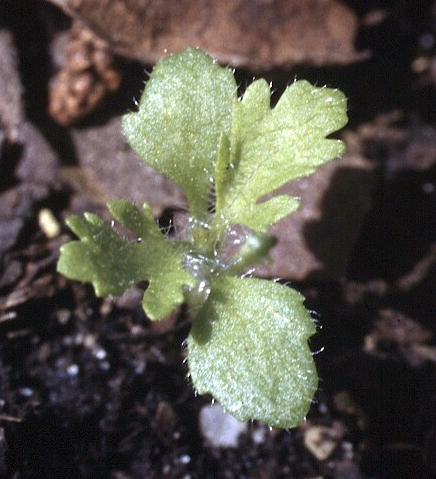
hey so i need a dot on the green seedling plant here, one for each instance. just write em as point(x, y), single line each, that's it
point(248, 344)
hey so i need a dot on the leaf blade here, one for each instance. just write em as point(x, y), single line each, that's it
point(112, 263)
point(185, 107)
point(248, 348)
point(269, 147)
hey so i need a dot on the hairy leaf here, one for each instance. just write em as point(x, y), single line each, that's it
point(248, 345)
point(113, 263)
point(248, 348)
point(269, 147)
point(186, 106)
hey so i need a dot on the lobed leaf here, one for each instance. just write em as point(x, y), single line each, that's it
point(248, 348)
point(248, 345)
point(269, 147)
point(185, 108)
point(113, 263)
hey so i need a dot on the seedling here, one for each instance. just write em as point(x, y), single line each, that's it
point(248, 345)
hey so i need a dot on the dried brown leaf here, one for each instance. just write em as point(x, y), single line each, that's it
point(259, 34)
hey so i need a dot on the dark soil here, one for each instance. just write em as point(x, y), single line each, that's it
point(90, 388)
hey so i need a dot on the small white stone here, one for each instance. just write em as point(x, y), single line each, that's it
point(48, 223)
point(220, 428)
point(321, 441)
point(73, 370)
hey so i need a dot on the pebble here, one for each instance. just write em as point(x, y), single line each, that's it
point(220, 428)
point(321, 441)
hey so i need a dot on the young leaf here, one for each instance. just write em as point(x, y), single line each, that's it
point(248, 348)
point(185, 108)
point(248, 342)
point(113, 264)
point(269, 147)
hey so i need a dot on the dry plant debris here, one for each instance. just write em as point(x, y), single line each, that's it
point(89, 74)
point(257, 35)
